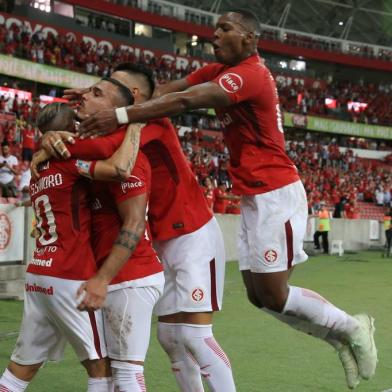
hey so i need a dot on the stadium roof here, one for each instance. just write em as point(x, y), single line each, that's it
point(367, 21)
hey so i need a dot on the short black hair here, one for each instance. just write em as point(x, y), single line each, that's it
point(139, 69)
point(124, 91)
point(51, 112)
point(5, 143)
point(250, 19)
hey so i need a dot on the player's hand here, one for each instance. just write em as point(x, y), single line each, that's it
point(100, 123)
point(74, 95)
point(54, 143)
point(38, 157)
point(93, 293)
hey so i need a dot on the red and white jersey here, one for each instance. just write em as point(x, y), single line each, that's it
point(177, 205)
point(107, 223)
point(253, 125)
point(61, 204)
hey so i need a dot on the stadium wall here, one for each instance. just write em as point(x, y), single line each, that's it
point(16, 226)
point(356, 234)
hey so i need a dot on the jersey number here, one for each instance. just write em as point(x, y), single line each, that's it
point(46, 224)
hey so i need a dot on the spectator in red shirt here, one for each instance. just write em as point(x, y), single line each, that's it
point(221, 198)
point(208, 191)
point(28, 142)
point(351, 210)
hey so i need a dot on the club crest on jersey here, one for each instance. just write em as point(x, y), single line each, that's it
point(230, 82)
point(198, 294)
point(270, 256)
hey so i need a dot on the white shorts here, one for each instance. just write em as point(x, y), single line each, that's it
point(272, 229)
point(194, 267)
point(51, 319)
point(127, 320)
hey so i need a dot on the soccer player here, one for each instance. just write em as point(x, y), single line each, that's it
point(273, 206)
point(194, 276)
point(121, 238)
point(62, 260)
point(128, 264)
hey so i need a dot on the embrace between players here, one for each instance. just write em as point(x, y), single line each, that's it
point(94, 238)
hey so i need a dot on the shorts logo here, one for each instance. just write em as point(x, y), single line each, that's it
point(270, 256)
point(230, 82)
point(198, 295)
point(5, 231)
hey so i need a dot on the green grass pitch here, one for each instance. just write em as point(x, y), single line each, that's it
point(265, 355)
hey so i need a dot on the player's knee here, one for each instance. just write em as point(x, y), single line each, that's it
point(97, 368)
point(254, 300)
point(273, 299)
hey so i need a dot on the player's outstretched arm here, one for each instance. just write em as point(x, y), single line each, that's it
point(203, 95)
point(133, 215)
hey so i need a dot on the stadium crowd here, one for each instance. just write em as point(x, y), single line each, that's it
point(327, 173)
point(62, 51)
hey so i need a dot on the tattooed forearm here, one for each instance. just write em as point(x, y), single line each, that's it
point(129, 239)
point(125, 157)
point(134, 138)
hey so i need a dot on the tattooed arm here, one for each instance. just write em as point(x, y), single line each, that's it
point(133, 215)
point(119, 166)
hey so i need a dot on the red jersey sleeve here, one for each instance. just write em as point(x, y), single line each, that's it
point(99, 148)
point(151, 132)
point(204, 74)
point(243, 81)
point(137, 184)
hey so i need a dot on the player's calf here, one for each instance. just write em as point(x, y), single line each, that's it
point(9, 382)
point(128, 376)
point(213, 361)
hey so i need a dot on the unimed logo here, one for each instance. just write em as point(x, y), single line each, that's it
point(230, 82)
point(5, 231)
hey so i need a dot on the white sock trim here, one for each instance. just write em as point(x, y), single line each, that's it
point(13, 383)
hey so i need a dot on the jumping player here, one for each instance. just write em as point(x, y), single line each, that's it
point(273, 206)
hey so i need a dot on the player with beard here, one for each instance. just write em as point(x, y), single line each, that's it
point(273, 208)
point(180, 221)
point(128, 266)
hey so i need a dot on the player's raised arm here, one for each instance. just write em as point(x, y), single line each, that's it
point(133, 215)
point(203, 95)
point(119, 166)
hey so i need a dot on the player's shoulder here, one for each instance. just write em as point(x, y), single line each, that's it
point(212, 69)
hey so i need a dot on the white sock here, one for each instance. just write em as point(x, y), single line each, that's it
point(314, 315)
point(101, 384)
point(9, 383)
point(128, 377)
point(184, 367)
point(214, 364)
